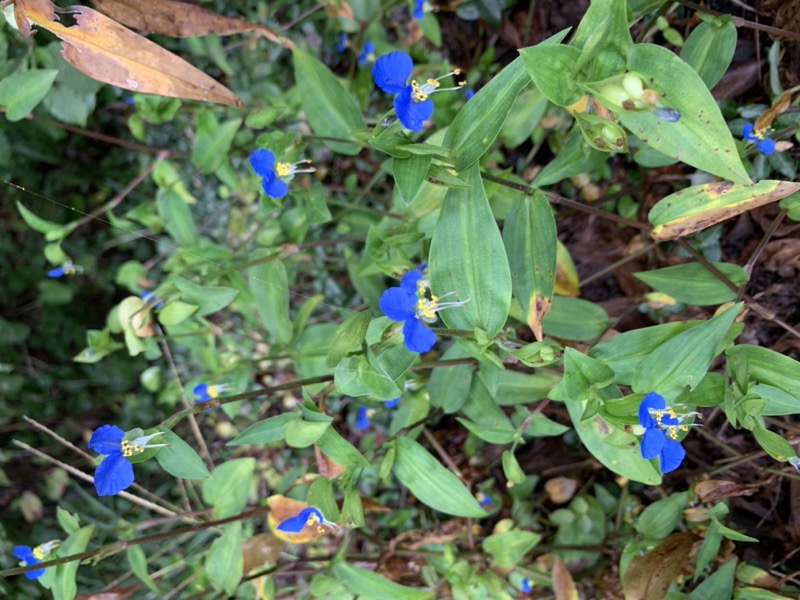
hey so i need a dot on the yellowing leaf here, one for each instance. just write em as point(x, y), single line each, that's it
point(108, 52)
point(701, 206)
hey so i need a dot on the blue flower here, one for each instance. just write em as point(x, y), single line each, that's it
point(274, 176)
point(115, 471)
point(363, 416)
point(410, 305)
point(483, 499)
point(469, 93)
point(390, 73)
point(207, 392)
point(419, 9)
point(759, 138)
point(367, 54)
point(66, 269)
point(525, 586)
point(341, 44)
point(391, 403)
point(33, 556)
point(661, 427)
point(296, 524)
point(151, 298)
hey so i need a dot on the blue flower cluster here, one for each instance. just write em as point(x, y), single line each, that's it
point(391, 73)
point(661, 428)
point(759, 138)
point(115, 472)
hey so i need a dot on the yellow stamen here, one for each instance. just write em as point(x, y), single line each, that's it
point(129, 449)
point(434, 83)
point(283, 169)
point(427, 308)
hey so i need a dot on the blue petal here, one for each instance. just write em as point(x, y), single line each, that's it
point(57, 272)
point(262, 161)
point(341, 45)
point(767, 146)
point(652, 443)
point(201, 390)
point(36, 573)
point(419, 9)
point(747, 132)
point(417, 336)
point(671, 455)
point(391, 403)
point(412, 114)
point(107, 439)
point(362, 420)
point(297, 523)
point(274, 187)
point(654, 401)
point(669, 421)
point(409, 282)
point(25, 553)
point(398, 304)
point(525, 586)
point(113, 474)
point(391, 71)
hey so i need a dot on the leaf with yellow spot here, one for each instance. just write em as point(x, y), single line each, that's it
point(106, 51)
point(567, 282)
point(701, 206)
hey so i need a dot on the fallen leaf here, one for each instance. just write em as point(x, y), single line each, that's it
point(108, 52)
point(560, 489)
point(714, 490)
point(261, 549)
point(648, 577)
point(563, 584)
point(180, 19)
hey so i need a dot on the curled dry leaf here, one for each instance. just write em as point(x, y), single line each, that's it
point(180, 19)
point(714, 490)
point(108, 52)
point(560, 489)
point(648, 577)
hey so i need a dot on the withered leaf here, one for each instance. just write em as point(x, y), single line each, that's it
point(648, 577)
point(108, 52)
point(180, 19)
point(714, 490)
point(563, 584)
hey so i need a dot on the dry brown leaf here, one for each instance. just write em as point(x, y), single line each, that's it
point(108, 52)
point(261, 549)
point(326, 466)
point(563, 584)
point(560, 489)
point(180, 19)
point(714, 490)
point(648, 577)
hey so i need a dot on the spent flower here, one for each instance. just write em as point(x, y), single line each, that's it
point(409, 304)
point(412, 105)
point(115, 471)
point(274, 175)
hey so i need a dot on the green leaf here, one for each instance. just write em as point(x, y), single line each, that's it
point(177, 217)
point(69, 523)
point(302, 434)
point(684, 359)
point(63, 585)
point(776, 401)
point(527, 111)
point(329, 108)
point(229, 486)
point(581, 373)
point(573, 158)
point(709, 548)
point(660, 518)
point(692, 283)
point(448, 388)
point(709, 48)
point(508, 548)
point(701, 137)
point(349, 336)
point(410, 173)
point(209, 299)
point(552, 68)
point(701, 206)
point(575, 319)
point(21, 91)
point(320, 494)
point(766, 366)
point(431, 483)
point(266, 431)
point(270, 286)
point(138, 562)
point(368, 584)
point(773, 444)
point(52, 231)
point(529, 235)
point(604, 38)
point(511, 468)
point(213, 142)
point(179, 459)
point(176, 312)
point(467, 257)
point(225, 561)
point(339, 450)
point(718, 585)
point(478, 124)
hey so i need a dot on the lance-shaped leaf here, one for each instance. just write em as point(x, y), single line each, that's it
point(180, 19)
point(701, 206)
point(529, 235)
point(108, 52)
point(700, 137)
